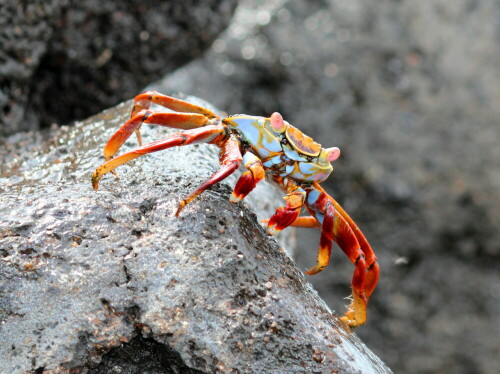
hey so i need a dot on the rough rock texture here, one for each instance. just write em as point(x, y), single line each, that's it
point(62, 60)
point(409, 91)
point(112, 282)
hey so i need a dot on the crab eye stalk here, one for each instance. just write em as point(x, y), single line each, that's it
point(329, 154)
point(277, 122)
point(332, 154)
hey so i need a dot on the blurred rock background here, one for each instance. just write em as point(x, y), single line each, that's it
point(408, 90)
point(62, 60)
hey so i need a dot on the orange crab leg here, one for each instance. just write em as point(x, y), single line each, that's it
point(174, 120)
point(307, 222)
point(230, 161)
point(249, 179)
point(207, 134)
point(145, 99)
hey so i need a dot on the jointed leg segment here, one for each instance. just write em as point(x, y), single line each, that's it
point(337, 226)
point(230, 161)
point(207, 134)
point(249, 179)
point(145, 99)
point(174, 120)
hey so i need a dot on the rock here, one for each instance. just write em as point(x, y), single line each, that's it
point(110, 281)
point(62, 60)
point(409, 92)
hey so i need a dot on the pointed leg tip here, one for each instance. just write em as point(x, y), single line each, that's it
point(351, 321)
point(314, 270)
point(271, 230)
point(234, 199)
point(356, 312)
point(181, 206)
point(95, 183)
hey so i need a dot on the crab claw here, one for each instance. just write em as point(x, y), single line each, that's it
point(286, 215)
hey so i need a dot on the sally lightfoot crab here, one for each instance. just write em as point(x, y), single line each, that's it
point(268, 148)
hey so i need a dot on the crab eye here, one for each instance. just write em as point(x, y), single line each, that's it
point(277, 122)
point(332, 154)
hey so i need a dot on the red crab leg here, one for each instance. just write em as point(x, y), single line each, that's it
point(249, 179)
point(306, 222)
point(339, 227)
point(207, 134)
point(174, 120)
point(335, 228)
point(285, 216)
point(230, 161)
point(145, 99)
point(372, 274)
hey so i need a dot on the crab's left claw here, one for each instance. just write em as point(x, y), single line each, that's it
point(286, 215)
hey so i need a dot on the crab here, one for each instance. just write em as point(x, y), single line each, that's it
point(269, 148)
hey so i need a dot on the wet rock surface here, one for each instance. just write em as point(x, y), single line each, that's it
point(111, 282)
point(409, 92)
point(62, 60)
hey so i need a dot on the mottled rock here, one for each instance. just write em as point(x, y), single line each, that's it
point(62, 60)
point(111, 282)
point(409, 92)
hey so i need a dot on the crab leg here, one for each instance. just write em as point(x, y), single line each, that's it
point(207, 134)
point(371, 260)
point(145, 99)
point(249, 179)
point(308, 222)
point(338, 226)
point(372, 274)
point(174, 120)
point(230, 161)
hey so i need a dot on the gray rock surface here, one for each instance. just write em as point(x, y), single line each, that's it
point(62, 60)
point(112, 282)
point(409, 91)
